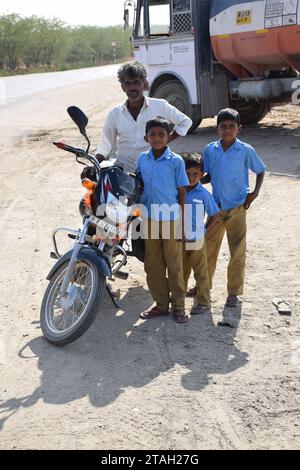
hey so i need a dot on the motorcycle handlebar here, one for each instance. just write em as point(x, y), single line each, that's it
point(78, 152)
point(69, 148)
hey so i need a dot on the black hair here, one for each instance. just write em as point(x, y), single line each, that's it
point(228, 114)
point(158, 122)
point(132, 70)
point(193, 160)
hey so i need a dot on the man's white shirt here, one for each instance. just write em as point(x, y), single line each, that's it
point(123, 137)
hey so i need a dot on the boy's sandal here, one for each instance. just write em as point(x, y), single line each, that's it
point(231, 301)
point(180, 316)
point(191, 292)
point(198, 309)
point(152, 313)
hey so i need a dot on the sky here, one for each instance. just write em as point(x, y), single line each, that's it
point(74, 12)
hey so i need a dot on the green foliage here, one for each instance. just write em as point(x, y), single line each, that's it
point(36, 43)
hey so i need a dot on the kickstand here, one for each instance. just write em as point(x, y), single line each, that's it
point(108, 288)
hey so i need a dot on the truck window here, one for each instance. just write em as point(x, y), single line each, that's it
point(159, 18)
point(139, 29)
point(181, 16)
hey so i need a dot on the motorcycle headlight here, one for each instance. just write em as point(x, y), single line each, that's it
point(116, 210)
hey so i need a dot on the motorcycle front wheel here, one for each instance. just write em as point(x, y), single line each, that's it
point(65, 320)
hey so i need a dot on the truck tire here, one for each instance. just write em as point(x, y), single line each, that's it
point(251, 112)
point(175, 93)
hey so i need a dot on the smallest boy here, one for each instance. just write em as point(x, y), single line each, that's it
point(199, 202)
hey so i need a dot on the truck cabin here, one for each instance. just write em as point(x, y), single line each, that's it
point(162, 18)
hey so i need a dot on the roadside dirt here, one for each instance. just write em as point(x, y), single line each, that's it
point(129, 384)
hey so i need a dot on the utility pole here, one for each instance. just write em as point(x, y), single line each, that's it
point(114, 45)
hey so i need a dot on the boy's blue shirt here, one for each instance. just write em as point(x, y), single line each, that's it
point(162, 178)
point(229, 171)
point(198, 202)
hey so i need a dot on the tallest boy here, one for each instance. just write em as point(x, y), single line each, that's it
point(227, 163)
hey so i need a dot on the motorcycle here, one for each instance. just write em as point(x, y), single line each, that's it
point(100, 249)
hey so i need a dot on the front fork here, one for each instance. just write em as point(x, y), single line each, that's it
point(63, 292)
point(69, 272)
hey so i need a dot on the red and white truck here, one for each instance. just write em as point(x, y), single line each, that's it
point(204, 55)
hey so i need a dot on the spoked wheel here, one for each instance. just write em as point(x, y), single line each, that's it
point(65, 319)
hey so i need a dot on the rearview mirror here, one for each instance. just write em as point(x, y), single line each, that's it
point(126, 18)
point(79, 118)
point(127, 4)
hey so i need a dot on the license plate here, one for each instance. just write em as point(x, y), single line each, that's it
point(120, 232)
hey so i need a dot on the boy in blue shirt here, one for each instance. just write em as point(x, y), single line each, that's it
point(163, 199)
point(227, 163)
point(198, 203)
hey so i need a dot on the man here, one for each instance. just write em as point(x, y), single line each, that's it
point(124, 128)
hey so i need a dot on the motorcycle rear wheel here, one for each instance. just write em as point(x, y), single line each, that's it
point(60, 325)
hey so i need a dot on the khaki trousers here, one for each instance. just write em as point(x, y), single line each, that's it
point(196, 260)
point(232, 221)
point(163, 254)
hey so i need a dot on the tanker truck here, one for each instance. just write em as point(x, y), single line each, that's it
point(205, 55)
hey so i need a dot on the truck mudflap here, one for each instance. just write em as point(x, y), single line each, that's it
point(84, 254)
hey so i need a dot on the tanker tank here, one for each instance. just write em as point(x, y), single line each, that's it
point(256, 38)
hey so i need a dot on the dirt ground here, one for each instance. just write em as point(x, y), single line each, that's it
point(129, 384)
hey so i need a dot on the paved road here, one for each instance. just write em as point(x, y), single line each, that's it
point(17, 88)
point(31, 103)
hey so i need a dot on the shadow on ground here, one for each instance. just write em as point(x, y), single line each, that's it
point(120, 351)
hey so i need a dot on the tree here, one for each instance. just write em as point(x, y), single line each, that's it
point(44, 43)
